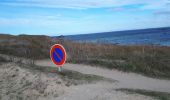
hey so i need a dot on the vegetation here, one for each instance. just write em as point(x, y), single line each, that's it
point(3, 60)
point(83, 77)
point(152, 61)
point(158, 95)
point(149, 60)
point(35, 47)
point(71, 77)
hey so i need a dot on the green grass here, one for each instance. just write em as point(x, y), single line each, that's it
point(154, 94)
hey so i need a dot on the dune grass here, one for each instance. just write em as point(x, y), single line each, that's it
point(34, 47)
point(153, 61)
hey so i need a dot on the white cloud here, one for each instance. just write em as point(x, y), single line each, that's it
point(83, 4)
point(90, 22)
point(37, 21)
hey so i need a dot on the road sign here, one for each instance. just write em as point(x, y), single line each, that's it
point(58, 55)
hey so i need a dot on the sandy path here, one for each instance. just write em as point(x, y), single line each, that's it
point(125, 80)
point(106, 90)
point(99, 91)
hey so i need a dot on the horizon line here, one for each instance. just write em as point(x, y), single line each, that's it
point(83, 33)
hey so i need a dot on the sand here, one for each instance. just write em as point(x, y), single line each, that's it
point(21, 82)
point(125, 80)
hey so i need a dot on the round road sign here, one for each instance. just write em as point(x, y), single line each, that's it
point(58, 54)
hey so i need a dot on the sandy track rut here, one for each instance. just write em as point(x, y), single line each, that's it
point(125, 80)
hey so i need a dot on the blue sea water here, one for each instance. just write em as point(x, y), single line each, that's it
point(154, 36)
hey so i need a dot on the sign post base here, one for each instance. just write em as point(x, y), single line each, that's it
point(59, 69)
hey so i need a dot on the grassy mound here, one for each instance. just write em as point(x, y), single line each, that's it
point(149, 60)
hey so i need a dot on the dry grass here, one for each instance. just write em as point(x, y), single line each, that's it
point(35, 47)
point(152, 61)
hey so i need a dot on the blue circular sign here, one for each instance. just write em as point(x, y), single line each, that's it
point(58, 54)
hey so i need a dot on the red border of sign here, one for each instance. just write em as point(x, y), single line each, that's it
point(52, 58)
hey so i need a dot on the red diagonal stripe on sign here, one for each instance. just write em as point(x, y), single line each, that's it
point(58, 55)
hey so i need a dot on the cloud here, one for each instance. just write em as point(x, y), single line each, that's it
point(85, 4)
point(33, 20)
point(64, 22)
point(44, 21)
point(162, 13)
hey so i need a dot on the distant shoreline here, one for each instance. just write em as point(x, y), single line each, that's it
point(153, 36)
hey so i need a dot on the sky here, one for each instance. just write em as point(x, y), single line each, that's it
point(66, 17)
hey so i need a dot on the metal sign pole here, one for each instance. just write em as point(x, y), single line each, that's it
point(59, 54)
point(59, 69)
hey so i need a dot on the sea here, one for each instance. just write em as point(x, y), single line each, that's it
point(151, 36)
